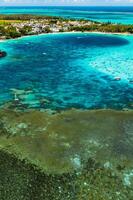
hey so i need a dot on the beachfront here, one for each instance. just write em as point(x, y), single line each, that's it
point(17, 26)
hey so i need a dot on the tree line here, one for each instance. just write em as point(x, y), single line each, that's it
point(104, 27)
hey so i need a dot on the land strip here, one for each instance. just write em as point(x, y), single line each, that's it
point(14, 26)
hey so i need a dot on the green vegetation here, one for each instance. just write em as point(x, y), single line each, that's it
point(25, 30)
point(26, 17)
point(9, 24)
point(12, 32)
point(14, 26)
point(105, 27)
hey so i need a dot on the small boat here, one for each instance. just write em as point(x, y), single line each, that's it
point(117, 78)
point(3, 54)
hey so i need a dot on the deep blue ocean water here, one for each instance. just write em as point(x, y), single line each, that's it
point(122, 15)
point(69, 70)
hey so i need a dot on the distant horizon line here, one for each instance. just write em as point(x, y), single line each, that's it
point(66, 6)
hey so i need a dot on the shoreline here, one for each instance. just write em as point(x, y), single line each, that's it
point(74, 32)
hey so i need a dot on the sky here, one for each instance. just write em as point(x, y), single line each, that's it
point(66, 2)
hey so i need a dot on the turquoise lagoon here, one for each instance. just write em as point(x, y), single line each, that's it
point(119, 14)
point(68, 70)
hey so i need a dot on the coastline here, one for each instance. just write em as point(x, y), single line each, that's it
point(74, 32)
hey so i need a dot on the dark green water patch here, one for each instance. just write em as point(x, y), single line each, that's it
point(62, 142)
point(68, 155)
point(22, 181)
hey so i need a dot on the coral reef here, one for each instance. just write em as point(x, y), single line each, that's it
point(67, 155)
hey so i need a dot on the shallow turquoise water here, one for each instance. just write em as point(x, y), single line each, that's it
point(70, 70)
point(122, 15)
